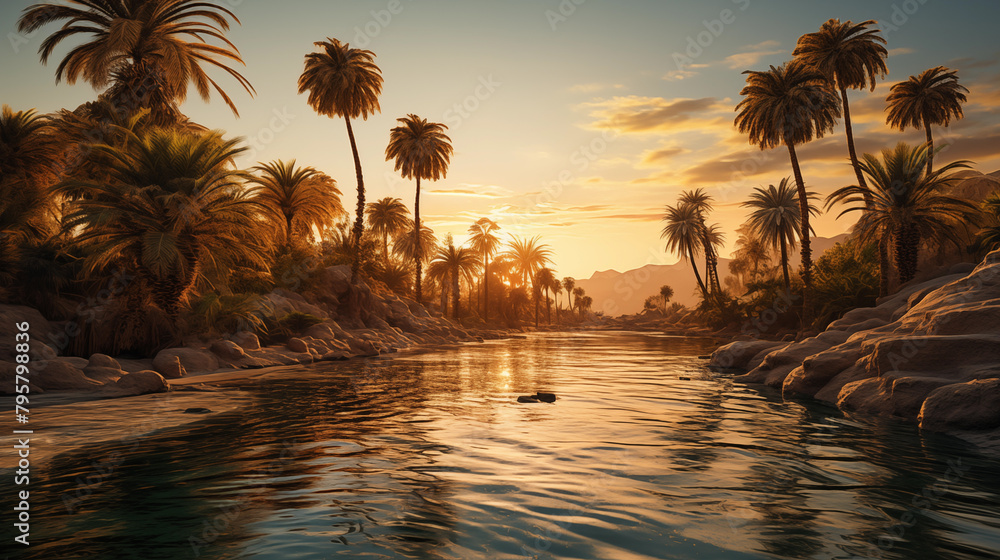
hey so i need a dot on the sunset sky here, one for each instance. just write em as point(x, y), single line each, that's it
point(576, 125)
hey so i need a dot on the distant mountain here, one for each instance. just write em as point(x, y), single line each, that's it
point(623, 293)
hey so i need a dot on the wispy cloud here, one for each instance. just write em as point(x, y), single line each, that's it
point(752, 54)
point(473, 191)
point(594, 87)
point(638, 114)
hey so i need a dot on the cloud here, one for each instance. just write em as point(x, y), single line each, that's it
point(594, 87)
point(473, 191)
point(684, 73)
point(637, 114)
point(901, 50)
point(654, 157)
point(751, 55)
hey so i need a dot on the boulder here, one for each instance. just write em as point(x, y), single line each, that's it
point(974, 405)
point(738, 354)
point(104, 361)
point(39, 331)
point(298, 345)
point(192, 360)
point(228, 349)
point(817, 370)
point(103, 374)
point(247, 340)
point(142, 383)
point(60, 375)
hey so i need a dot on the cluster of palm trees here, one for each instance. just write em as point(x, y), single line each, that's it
point(900, 197)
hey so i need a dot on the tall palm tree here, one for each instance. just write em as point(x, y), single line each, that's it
point(388, 217)
point(585, 304)
point(545, 278)
point(933, 97)
point(850, 56)
point(344, 82)
point(570, 284)
point(666, 292)
point(422, 151)
point(174, 207)
point(776, 218)
point(907, 203)
point(148, 51)
point(683, 234)
point(485, 242)
point(457, 263)
point(557, 289)
point(298, 198)
point(528, 256)
point(578, 295)
point(701, 201)
point(789, 105)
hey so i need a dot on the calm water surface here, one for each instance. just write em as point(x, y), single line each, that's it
point(646, 454)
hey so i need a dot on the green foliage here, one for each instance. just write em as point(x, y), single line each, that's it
point(846, 277)
point(215, 314)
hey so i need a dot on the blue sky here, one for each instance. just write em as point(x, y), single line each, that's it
point(571, 120)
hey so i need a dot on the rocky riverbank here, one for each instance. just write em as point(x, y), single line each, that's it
point(928, 354)
point(380, 322)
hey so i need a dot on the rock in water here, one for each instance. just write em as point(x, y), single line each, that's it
point(527, 399)
point(546, 397)
point(197, 410)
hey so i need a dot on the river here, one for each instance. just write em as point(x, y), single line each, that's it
point(645, 454)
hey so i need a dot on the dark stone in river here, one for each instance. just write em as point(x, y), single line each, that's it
point(527, 399)
point(197, 410)
point(546, 397)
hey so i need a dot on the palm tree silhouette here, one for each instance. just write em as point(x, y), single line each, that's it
point(933, 97)
point(545, 278)
point(790, 105)
point(528, 257)
point(701, 201)
point(299, 199)
point(776, 218)
point(850, 56)
point(148, 51)
point(408, 248)
point(570, 284)
point(457, 264)
point(485, 242)
point(683, 234)
point(344, 82)
point(907, 205)
point(388, 217)
point(421, 150)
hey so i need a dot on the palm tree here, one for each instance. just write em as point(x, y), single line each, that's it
point(299, 199)
point(701, 201)
point(850, 56)
point(557, 288)
point(585, 303)
point(666, 292)
point(458, 264)
point(578, 296)
point(406, 248)
point(147, 51)
point(173, 208)
point(683, 233)
point(422, 151)
point(570, 285)
point(545, 278)
point(28, 155)
point(387, 217)
point(485, 242)
point(988, 238)
point(528, 256)
point(789, 105)
point(907, 205)
point(344, 82)
point(776, 218)
point(933, 97)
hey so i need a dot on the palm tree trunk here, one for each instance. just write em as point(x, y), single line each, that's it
point(701, 285)
point(455, 296)
point(907, 250)
point(416, 241)
point(359, 221)
point(806, 251)
point(930, 147)
point(486, 290)
point(548, 307)
point(288, 230)
point(784, 264)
